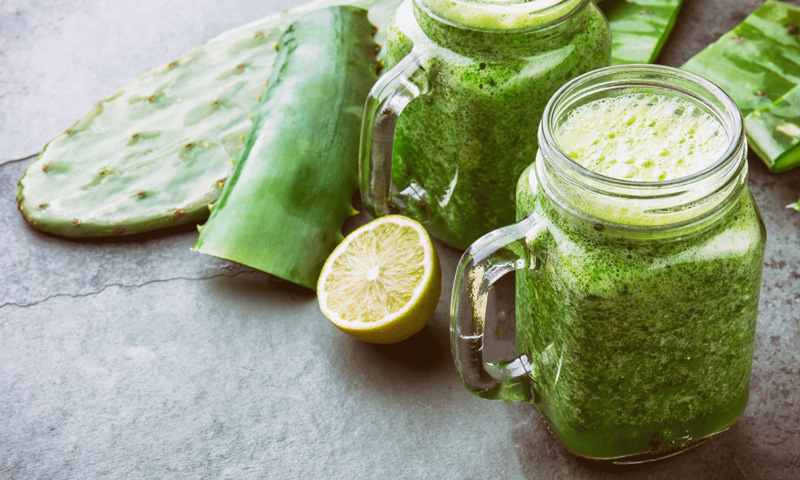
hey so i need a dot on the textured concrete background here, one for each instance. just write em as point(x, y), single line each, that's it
point(140, 359)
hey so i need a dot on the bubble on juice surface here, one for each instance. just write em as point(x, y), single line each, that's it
point(642, 137)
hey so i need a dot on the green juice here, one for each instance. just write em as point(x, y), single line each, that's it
point(640, 345)
point(491, 71)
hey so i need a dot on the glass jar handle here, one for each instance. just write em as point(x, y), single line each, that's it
point(489, 258)
point(387, 99)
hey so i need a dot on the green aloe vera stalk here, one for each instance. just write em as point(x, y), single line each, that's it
point(757, 62)
point(157, 152)
point(639, 28)
point(773, 132)
point(283, 208)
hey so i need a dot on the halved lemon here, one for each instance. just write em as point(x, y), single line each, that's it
point(382, 283)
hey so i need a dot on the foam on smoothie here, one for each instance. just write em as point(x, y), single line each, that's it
point(501, 14)
point(642, 137)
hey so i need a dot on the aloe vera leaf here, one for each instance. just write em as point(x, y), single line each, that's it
point(155, 153)
point(757, 62)
point(639, 28)
point(773, 132)
point(283, 208)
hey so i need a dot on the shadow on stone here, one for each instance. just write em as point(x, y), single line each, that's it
point(414, 361)
point(422, 351)
point(247, 284)
point(536, 445)
point(133, 238)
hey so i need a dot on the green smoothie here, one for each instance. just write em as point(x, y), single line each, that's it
point(640, 345)
point(492, 67)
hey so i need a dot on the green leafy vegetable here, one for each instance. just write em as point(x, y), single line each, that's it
point(757, 62)
point(639, 28)
point(773, 132)
point(283, 208)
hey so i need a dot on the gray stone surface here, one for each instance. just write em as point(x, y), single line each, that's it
point(140, 359)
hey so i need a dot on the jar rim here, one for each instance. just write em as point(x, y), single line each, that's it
point(670, 206)
point(547, 12)
point(732, 121)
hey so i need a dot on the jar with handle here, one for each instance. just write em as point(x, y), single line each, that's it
point(447, 130)
point(636, 301)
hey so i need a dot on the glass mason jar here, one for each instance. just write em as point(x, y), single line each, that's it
point(636, 302)
point(480, 73)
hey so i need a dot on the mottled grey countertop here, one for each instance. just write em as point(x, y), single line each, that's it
point(140, 359)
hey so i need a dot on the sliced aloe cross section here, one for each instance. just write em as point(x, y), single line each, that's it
point(774, 132)
point(639, 28)
point(283, 208)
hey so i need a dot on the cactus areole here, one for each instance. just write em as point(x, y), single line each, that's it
point(282, 209)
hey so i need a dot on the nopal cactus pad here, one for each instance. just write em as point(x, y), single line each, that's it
point(158, 151)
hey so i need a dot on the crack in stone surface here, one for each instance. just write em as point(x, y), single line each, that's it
point(744, 474)
point(15, 160)
point(121, 285)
